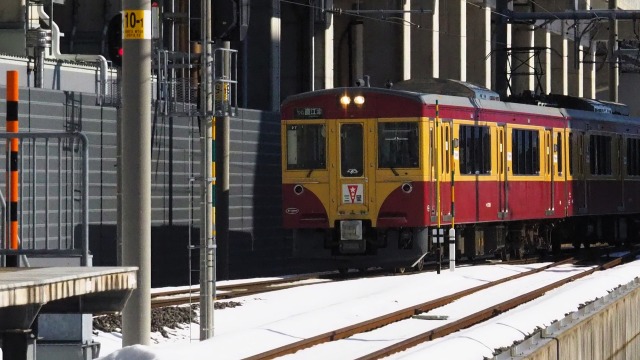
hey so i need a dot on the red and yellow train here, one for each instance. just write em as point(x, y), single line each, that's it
point(367, 173)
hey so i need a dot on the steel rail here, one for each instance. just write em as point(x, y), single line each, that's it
point(390, 318)
point(487, 313)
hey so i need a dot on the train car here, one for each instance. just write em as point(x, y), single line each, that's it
point(368, 173)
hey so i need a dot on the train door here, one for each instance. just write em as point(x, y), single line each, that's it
point(351, 174)
point(621, 166)
point(502, 169)
point(579, 182)
point(549, 176)
point(443, 169)
point(559, 193)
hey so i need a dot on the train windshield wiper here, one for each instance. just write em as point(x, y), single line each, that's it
point(393, 170)
point(310, 171)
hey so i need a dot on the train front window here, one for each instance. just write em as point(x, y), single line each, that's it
point(351, 150)
point(398, 145)
point(306, 147)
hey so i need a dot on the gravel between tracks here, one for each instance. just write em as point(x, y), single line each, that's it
point(161, 318)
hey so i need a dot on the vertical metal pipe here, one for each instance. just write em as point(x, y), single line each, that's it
point(46, 195)
point(86, 260)
point(60, 193)
point(136, 166)
point(206, 233)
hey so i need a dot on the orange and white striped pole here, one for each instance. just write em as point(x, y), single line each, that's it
point(12, 173)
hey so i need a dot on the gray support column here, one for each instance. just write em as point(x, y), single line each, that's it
point(580, 71)
point(532, 58)
point(275, 54)
point(614, 74)
point(592, 83)
point(487, 48)
point(453, 39)
point(406, 41)
point(328, 56)
point(565, 61)
point(479, 54)
point(136, 166)
point(435, 40)
point(463, 39)
point(547, 62)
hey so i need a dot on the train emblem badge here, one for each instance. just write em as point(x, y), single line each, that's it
point(352, 194)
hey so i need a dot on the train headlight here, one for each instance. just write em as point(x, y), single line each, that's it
point(345, 100)
point(358, 100)
point(407, 188)
point(298, 189)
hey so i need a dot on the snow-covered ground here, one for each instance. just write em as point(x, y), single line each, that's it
point(269, 320)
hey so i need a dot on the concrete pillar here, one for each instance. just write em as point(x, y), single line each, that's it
point(463, 39)
point(453, 39)
point(487, 48)
point(532, 58)
point(580, 71)
point(328, 56)
point(547, 61)
point(435, 40)
point(478, 56)
point(565, 62)
point(557, 64)
point(592, 82)
point(275, 54)
point(406, 41)
point(425, 60)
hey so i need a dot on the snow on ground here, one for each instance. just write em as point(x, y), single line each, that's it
point(268, 320)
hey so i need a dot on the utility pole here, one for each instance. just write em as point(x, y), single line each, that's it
point(136, 166)
point(612, 49)
point(207, 232)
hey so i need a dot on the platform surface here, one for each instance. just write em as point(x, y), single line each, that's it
point(25, 286)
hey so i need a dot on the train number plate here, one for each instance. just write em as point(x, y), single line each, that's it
point(351, 230)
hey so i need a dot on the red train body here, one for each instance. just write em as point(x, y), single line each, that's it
point(512, 177)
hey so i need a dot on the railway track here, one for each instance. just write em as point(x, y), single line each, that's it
point(186, 296)
point(407, 313)
point(190, 295)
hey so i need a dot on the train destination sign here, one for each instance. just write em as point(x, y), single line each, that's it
point(308, 113)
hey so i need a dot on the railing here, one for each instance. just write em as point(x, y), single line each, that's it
point(53, 204)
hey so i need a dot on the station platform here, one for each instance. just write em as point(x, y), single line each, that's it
point(27, 292)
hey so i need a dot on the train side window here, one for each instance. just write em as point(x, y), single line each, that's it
point(560, 158)
point(351, 150)
point(633, 157)
point(526, 152)
point(600, 155)
point(398, 145)
point(570, 154)
point(306, 147)
point(474, 150)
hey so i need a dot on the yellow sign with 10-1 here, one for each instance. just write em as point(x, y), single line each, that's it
point(136, 24)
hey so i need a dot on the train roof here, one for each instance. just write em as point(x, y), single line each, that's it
point(459, 94)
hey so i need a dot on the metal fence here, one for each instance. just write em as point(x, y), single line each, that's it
point(53, 195)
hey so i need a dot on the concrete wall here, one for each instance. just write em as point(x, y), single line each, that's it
point(254, 214)
point(607, 328)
